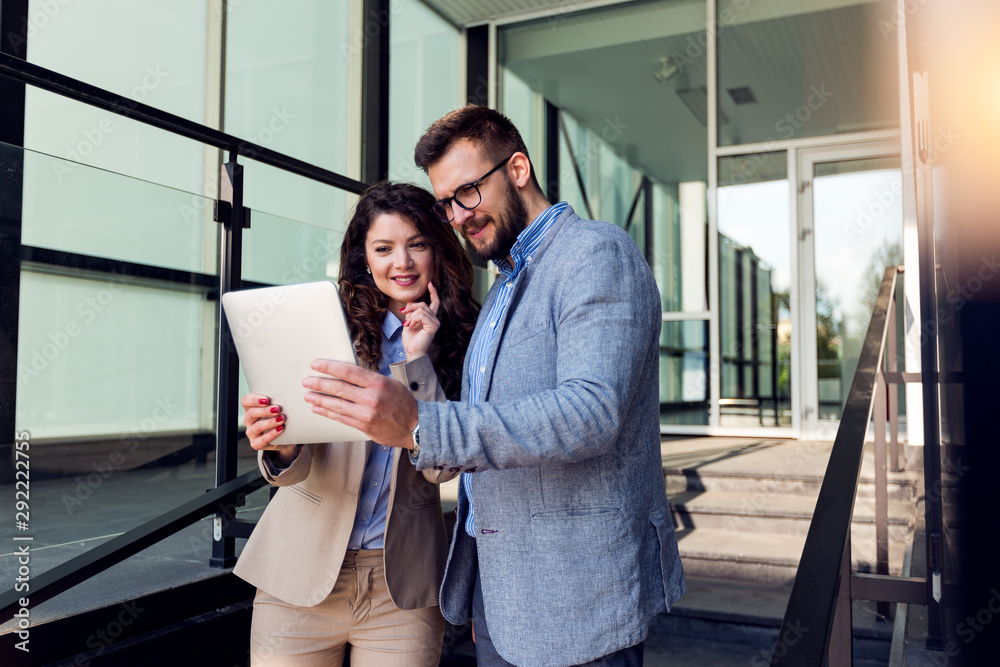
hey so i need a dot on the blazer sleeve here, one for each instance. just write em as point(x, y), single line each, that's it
point(419, 376)
point(606, 321)
point(296, 471)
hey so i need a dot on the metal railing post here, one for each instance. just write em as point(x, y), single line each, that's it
point(892, 365)
point(881, 488)
point(232, 215)
point(839, 651)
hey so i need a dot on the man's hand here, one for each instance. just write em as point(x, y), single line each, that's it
point(380, 407)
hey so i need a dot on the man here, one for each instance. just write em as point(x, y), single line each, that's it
point(564, 547)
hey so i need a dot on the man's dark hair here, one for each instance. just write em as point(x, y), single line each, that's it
point(488, 129)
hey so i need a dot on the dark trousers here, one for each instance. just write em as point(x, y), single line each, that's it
point(487, 656)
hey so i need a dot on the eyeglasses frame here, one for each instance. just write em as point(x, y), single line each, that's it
point(475, 184)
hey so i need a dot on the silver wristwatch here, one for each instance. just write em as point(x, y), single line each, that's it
point(415, 452)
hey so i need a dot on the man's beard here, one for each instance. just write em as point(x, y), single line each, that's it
point(507, 224)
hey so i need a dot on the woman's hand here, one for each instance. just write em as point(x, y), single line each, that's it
point(421, 325)
point(264, 423)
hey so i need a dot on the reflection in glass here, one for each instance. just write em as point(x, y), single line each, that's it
point(633, 155)
point(684, 372)
point(754, 283)
point(858, 224)
point(804, 69)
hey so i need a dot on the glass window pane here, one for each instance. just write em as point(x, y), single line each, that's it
point(858, 225)
point(684, 388)
point(166, 67)
point(287, 89)
point(803, 69)
point(647, 125)
point(423, 81)
point(754, 290)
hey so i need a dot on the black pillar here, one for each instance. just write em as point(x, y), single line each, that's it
point(13, 41)
point(477, 72)
point(375, 93)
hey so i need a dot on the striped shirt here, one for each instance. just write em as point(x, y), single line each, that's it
point(527, 242)
point(373, 499)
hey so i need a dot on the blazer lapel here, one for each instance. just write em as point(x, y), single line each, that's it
point(491, 357)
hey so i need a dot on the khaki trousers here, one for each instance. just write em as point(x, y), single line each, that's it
point(358, 612)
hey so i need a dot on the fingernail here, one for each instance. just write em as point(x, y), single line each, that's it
point(280, 418)
point(264, 401)
point(280, 429)
point(275, 410)
point(314, 365)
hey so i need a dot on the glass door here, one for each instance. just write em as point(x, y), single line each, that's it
point(755, 295)
point(850, 229)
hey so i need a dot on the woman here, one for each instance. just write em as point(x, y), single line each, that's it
point(351, 549)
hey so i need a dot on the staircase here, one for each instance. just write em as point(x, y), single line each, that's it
point(742, 509)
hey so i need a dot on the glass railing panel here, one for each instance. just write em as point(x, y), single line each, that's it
point(115, 388)
point(282, 251)
point(75, 208)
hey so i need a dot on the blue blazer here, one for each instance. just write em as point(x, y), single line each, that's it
point(575, 542)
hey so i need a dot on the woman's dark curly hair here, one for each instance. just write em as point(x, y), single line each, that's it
point(366, 305)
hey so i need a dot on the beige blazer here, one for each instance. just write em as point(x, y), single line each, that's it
point(298, 546)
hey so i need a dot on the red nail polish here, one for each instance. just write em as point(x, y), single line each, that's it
point(280, 429)
point(275, 409)
point(264, 401)
point(280, 419)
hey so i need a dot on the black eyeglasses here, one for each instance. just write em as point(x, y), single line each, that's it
point(467, 196)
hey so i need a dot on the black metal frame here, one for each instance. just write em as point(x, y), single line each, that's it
point(13, 19)
point(477, 68)
point(375, 94)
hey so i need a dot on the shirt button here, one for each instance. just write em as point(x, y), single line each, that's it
point(364, 518)
point(374, 483)
point(384, 448)
point(414, 386)
point(482, 369)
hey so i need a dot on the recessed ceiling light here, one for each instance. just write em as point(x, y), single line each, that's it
point(742, 95)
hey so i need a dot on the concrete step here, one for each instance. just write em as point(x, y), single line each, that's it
point(744, 618)
point(765, 466)
point(762, 558)
point(900, 486)
point(777, 513)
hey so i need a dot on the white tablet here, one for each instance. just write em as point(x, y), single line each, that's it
point(278, 331)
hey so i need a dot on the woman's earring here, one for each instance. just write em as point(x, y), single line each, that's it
point(369, 270)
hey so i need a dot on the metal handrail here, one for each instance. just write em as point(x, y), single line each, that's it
point(222, 500)
point(823, 581)
point(74, 89)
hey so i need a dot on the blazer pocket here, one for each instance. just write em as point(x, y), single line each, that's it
point(308, 495)
point(524, 336)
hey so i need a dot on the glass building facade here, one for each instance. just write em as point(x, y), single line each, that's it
point(751, 150)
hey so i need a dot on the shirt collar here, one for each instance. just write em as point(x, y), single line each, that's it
point(529, 239)
point(390, 324)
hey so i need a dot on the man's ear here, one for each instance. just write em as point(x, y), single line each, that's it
point(519, 169)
